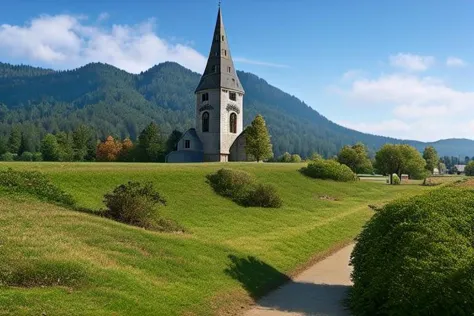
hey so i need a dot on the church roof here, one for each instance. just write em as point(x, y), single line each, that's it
point(220, 71)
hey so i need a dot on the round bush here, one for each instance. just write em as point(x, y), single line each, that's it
point(396, 179)
point(264, 195)
point(134, 203)
point(26, 156)
point(416, 257)
point(7, 157)
point(329, 169)
point(243, 189)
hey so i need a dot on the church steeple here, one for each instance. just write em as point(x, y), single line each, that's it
point(220, 72)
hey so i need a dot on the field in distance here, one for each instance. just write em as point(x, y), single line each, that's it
point(229, 254)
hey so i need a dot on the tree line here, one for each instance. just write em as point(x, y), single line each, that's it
point(83, 145)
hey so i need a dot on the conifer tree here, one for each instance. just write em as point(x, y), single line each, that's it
point(258, 140)
point(14, 141)
point(151, 144)
point(50, 148)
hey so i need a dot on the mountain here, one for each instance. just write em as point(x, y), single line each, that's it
point(121, 104)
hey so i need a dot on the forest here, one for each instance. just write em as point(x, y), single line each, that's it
point(35, 102)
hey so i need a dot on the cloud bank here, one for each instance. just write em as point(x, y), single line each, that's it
point(416, 106)
point(66, 41)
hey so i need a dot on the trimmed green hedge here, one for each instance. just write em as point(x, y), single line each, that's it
point(416, 257)
point(329, 169)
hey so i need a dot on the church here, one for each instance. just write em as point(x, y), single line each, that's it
point(218, 134)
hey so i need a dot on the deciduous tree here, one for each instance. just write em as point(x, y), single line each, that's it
point(431, 157)
point(356, 158)
point(108, 150)
point(400, 159)
point(50, 148)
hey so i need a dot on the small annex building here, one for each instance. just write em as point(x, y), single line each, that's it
point(218, 135)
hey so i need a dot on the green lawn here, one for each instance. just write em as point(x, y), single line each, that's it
point(230, 254)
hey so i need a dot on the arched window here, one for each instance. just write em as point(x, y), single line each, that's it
point(233, 123)
point(205, 122)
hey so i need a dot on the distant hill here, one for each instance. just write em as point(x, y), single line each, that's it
point(121, 104)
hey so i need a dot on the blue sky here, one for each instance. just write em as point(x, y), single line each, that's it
point(396, 68)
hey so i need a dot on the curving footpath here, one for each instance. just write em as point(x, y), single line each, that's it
point(319, 290)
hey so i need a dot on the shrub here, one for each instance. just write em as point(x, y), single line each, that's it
point(230, 183)
point(243, 189)
point(26, 156)
point(295, 158)
point(7, 157)
point(264, 195)
point(469, 169)
point(135, 204)
point(396, 179)
point(329, 169)
point(37, 156)
point(416, 257)
point(35, 183)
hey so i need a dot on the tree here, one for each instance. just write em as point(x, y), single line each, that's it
point(442, 168)
point(65, 142)
point(14, 141)
point(50, 148)
point(356, 158)
point(286, 157)
point(431, 157)
point(3, 146)
point(172, 141)
point(469, 169)
point(126, 153)
point(81, 137)
point(109, 150)
point(150, 143)
point(400, 159)
point(295, 158)
point(258, 140)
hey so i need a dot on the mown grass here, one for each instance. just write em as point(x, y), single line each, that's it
point(109, 268)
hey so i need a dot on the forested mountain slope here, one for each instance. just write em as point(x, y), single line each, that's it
point(117, 103)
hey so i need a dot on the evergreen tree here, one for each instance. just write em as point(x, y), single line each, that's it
point(3, 146)
point(172, 141)
point(258, 143)
point(66, 152)
point(81, 137)
point(14, 141)
point(151, 145)
point(50, 148)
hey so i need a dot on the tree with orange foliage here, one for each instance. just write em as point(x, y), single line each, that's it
point(108, 150)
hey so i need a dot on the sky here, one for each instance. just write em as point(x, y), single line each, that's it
point(400, 68)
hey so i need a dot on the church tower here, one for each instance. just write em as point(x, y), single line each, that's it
point(219, 100)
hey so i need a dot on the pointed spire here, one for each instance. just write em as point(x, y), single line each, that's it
point(220, 71)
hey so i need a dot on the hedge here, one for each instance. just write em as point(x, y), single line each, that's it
point(416, 257)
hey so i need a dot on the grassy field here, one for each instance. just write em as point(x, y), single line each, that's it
point(69, 263)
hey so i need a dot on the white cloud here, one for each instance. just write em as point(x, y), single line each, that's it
point(410, 106)
point(258, 63)
point(103, 16)
point(412, 62)
point(455, 62)
point(65, 41)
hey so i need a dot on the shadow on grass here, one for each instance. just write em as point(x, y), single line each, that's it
point(259, 278)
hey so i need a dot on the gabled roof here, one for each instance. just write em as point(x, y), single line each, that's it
point(217, 74)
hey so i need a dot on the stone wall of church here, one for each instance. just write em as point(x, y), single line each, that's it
point(228, 107)
point(211, 139)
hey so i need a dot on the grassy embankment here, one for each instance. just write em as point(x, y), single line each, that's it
point(64, 262)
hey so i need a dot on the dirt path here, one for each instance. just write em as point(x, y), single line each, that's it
point(317, 291)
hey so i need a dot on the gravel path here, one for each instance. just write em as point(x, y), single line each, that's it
point(317, 291)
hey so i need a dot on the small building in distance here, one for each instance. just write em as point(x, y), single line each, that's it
point(460, 169)
point(218, 135)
